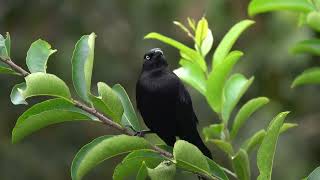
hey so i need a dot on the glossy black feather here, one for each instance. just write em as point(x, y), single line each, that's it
point(165, 104)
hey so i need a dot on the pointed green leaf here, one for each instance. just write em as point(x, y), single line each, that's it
point(192, 74)
point(223, 145)
point(185, 29)
point(192, 23)
point(253, 141)
point(129, 117)
point(262, 6)
point(82, 63)
point(190, 158)
point(5, 47)
point(228, 40)
point(268, 147)
point(130, 165)
point(111, 100)
point(186, 50)
point(166, 170)
point(309, 76)
point(207, 43)
point(286, 126)
point(142, 172)
point(313, 20)
point(217, 79)
point(101, 149)
point(201, 31)
point(39, 84)
point(241, 165)
point(245, 112)
point(216, 170)
point(213, 131)
point(235, 87)
point(38, 55)
point(314, 175)
point(311, 46)
point(256, 139)
point(46, 113)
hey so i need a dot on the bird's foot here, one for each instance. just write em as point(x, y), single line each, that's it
point(141, 133)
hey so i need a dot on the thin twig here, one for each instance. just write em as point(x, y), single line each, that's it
point(92, 111)
point(15, 67)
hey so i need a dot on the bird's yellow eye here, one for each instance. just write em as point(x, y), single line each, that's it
point(147, 57)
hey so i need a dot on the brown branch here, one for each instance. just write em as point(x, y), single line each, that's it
point(92, 111)
point(15, 67)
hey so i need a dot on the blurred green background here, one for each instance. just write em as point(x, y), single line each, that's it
point(121, 26)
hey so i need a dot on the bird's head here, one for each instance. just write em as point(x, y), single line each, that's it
point(154, 59)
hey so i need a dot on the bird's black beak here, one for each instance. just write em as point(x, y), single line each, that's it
point(156, 51)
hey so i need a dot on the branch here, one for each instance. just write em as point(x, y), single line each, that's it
point(15, 67)
point(91, 110)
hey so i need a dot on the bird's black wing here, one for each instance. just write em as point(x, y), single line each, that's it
point(184, 110)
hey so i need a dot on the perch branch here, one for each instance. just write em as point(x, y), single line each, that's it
point(91, 110)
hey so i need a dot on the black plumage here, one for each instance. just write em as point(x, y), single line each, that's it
point(165, 104)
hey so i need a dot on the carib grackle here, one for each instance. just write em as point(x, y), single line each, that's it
point(165, 104)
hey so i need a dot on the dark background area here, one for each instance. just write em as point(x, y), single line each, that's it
point(120, 26)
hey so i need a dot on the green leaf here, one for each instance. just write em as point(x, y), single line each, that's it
point(190, 158)
point(166, 170)
point(207, 43)
point(143, 172)
point(201, 31)
point(186, 50)
point(257, 138)
point(192, 74)
point(253, 141)
point(309, 76)
point(5, 47)
point(82, 63)
point(241, 165)
point(130, 165)
point(46, 113)
point(216, 170)
point(7, 43)
point(235, 87)
point(38, 55)
point(286, 126)
point(245, 112)
point(223, 145)
point(101, 149)
point(217, 79)
point(313, 20)
point(39, 84)
point(267, 149)
point(315, 174)
point(213, 131)
point(228, 40)
point(192, 23)
point(262, 6)
point(185, 29)
point(129, 117)
point(5, 70)
point(112, 101)
point(311, 46)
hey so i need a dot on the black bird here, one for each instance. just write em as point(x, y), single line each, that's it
point(165, 104)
